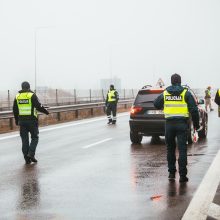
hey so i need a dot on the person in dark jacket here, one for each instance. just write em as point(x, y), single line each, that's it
point(217, 100)
point(177, 102)
point(25, 107)
point(111, 104)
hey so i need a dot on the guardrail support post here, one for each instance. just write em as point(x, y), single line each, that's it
point(76, 113)
point(74, 96)
point(90, 95)
point(133, 93)
point(103, 96)
point(57, 97)
point(92, 113)
point(11, 123)
point(9, 99)
point(58, 116)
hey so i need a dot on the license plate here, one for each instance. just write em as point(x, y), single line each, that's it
point(155, 112)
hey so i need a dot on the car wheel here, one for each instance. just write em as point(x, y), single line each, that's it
point(203, 132)
point(190, 133)
point(135, 137)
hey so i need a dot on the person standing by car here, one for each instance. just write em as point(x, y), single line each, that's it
point(111, 104)
point(25, 109)
point(217, 101)
point(208, 101)
point(177, 103)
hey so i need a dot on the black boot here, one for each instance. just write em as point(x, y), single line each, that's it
point(27, 160)
point(183, 179)
point(32, 158)
point(109, 121)
point(171, 177)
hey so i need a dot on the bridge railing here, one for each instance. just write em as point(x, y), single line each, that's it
point(57, 111)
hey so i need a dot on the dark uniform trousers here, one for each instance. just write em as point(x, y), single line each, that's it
point(179, 130)
point(27, 127)
point(111, 108)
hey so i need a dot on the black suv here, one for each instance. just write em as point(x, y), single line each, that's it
point(145, 120)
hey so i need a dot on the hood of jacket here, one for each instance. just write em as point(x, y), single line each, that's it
point(22, 91)
point(175, 89)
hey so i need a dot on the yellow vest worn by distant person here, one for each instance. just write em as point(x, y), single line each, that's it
point(175, 105)
point(111, 96)
point(24, 104)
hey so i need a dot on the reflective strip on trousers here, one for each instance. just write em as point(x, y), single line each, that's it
point(109, 116)
point(114, 118)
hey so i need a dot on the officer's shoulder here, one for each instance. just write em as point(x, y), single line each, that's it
point(34, 96)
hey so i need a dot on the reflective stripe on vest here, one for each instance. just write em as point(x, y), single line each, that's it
point(111, 96)
point(24, 104)
point(175, 105)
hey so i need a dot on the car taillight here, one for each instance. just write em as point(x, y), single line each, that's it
point(135, 109)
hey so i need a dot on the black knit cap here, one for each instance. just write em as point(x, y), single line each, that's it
point(111, 86)
point(175, 79)
point(25, 85)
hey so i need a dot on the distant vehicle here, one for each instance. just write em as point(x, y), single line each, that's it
point(145, 120)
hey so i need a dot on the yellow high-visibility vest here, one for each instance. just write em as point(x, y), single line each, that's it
point(111, 96)
point(175, 105)
point(24, 104)
point(219, 92)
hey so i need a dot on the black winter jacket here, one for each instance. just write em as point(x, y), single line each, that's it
point(35, 104)
point(217, 98)
point(191, 104)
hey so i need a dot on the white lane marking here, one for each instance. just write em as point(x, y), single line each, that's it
point(97, 143)
point(201, 201)
point(9, 137)
point(65, 126)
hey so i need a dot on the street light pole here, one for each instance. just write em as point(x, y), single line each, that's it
point(35, 60)
point(35, 53)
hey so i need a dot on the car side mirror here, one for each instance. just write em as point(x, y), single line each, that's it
point(201, 102)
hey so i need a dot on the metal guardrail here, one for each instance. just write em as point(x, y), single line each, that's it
point(66, 108)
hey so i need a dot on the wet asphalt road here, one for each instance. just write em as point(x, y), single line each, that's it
point(90, 170)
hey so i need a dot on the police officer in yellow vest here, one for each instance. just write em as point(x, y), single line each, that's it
point(217, 100)
point(111, 104)
point(177, 102)
point(26, 105)
point(208, 99)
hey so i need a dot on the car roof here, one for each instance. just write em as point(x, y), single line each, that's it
point(152, 89)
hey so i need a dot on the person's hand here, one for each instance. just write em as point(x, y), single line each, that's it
point(199, 129)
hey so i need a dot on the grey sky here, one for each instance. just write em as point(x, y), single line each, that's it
point(85, 40)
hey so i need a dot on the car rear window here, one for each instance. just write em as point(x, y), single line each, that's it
point(145, 97)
